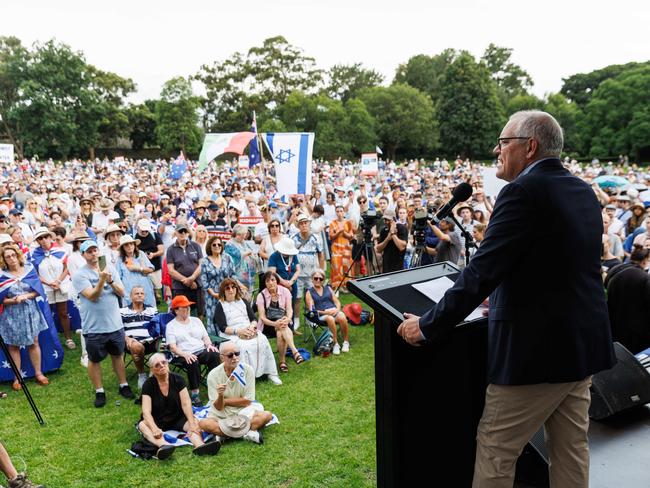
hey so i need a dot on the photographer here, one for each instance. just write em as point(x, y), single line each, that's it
point(363, 231)
point(448, 248)
point(392, 243)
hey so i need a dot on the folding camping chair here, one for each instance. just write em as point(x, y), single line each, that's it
point(156, 327)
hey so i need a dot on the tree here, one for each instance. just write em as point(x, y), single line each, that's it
point(177, 121)
point(424, 72)
point(14, 59)
point(510, 78)
point(579, 88)
point(566, 113)
point(404, 117)
point(345, 81)
point(616, 120)
point(469, 111)
point(259, 80)
point(524, 102)
point(142, 124)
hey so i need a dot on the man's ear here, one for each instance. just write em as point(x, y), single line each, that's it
point(531, 148)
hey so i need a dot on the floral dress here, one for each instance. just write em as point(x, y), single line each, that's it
point(211, 277)
point(20, 323)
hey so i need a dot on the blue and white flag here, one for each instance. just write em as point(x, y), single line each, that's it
point(291, 153)
point(178, 167)
point(254, 156)
point(239, 374)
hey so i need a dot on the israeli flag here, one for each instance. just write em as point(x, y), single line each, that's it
point(291, 153)
point(240, 374)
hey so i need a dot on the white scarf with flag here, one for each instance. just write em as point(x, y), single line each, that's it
point(291, 153)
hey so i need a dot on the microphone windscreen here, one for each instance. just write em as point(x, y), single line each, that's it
point(462, 192)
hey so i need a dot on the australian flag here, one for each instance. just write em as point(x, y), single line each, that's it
point(253, 149)
point(179, 167)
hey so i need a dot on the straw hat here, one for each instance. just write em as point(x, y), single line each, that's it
point(126, 239)
point(42, 232)
point(286, 246)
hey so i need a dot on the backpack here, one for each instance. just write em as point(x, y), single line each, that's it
point(143, 449)
point(367, 317)
point(324, 344)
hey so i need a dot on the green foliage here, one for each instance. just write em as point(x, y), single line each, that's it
point(567, 114)
point(404, 117)
point(345, 81)
point(177, 119)
point(511, 79)
point(425, 72)
point(616, 120)
point(14, 59)
point(326, 434)
point(259, 80)
point(524, 102)
point(469, 111)
point(142, 124)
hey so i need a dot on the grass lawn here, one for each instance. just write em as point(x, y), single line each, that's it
point(326, 435)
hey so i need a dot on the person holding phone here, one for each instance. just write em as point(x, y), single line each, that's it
point(99, 287)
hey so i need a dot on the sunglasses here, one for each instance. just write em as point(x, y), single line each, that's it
point(318, 278)
point(230, 287)
point(160, 364)
point(232, 355)
point(217, 244)
point(183, 231)
point(274, 225)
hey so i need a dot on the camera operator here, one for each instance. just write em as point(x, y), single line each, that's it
point(365, 230)
point(392, 243)
point(448, 247)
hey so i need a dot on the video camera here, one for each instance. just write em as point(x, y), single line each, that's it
point(420, 219)
point(368, 221)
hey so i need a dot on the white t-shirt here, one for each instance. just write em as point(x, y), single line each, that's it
point(188, 337)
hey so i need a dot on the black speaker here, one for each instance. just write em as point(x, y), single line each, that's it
point(624, 386)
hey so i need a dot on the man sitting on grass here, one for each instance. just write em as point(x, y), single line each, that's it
point(231, 389)
point(138, 340)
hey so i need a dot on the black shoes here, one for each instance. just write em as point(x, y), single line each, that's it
point(208, 449)
point(100, 399)
point(126, 392)
point(164, 452)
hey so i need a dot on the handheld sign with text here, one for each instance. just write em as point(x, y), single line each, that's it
point(369, 166)
point(6, 153)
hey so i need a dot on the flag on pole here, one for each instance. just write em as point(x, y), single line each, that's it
point(179, 167)
point(253, 150)
point(239, 374)
point(291, 153)
point(378, 150)
point(217, 144)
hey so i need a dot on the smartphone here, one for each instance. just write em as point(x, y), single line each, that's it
point(102, 263)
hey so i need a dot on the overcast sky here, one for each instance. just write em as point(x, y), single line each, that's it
point(152, 42)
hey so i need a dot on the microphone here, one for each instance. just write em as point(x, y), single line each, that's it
point(461, 193)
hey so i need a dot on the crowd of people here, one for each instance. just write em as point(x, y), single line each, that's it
point(103, 244)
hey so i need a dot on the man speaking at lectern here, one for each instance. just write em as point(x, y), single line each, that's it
point(548, 327)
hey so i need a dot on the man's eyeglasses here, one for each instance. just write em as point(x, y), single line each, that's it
point(183, 231)
point(231, 355)
point(501, 140)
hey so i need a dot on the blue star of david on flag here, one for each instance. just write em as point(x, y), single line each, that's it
point(284, 156)
point(292, 155)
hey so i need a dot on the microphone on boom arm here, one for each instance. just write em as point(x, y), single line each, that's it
point(461, 193)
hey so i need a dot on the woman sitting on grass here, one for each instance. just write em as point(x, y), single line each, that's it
point(166, 405)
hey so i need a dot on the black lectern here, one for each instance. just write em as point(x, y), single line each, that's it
point(429, 398)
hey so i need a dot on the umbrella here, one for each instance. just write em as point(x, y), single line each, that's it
point(608, 181)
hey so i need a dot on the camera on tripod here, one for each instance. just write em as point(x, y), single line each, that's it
point(368, 221)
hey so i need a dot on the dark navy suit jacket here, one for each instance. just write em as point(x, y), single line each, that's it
point(540, 265)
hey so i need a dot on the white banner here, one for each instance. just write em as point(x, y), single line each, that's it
point(6, 153)
point(369, 166)
point(491, 184)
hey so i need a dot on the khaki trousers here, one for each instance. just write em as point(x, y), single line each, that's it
point(513, 414)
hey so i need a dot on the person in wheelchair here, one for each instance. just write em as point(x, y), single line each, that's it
point(189, 342)
point(138, 340)
point(326, 307)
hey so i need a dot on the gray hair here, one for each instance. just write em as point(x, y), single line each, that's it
point(540, 126)
point(154, 358)
point(239, 229)
point(318, 271)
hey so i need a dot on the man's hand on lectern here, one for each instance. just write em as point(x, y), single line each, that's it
point(410, 330)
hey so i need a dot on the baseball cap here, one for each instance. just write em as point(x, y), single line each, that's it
point(181, 227)
point(87, 245)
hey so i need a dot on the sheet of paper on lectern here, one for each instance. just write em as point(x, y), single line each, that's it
point(435, 290)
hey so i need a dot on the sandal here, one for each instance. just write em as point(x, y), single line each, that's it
point(3, 394)
point(298, 358)
point(16, 386)
point(69, 343)
point(283, 367)
point(41, 379)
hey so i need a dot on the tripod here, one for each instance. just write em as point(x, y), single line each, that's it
point(419, 251)
point(469, 241)
point(368, 252)
point(21, 380)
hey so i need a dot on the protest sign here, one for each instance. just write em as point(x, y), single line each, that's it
point(249, 220)
point(243, 162)
point(491, 184)
point(6, 153)
point(369, 164)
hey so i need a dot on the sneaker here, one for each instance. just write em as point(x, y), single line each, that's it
point(126, 392)
point(254, 436)
point(207, 449)
point(336, 350)
point(84, 360)
point(141, 379)
point(275, 379)
point(100, 399)
point(346, 347)
point(21, 481)
point(164, 452)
